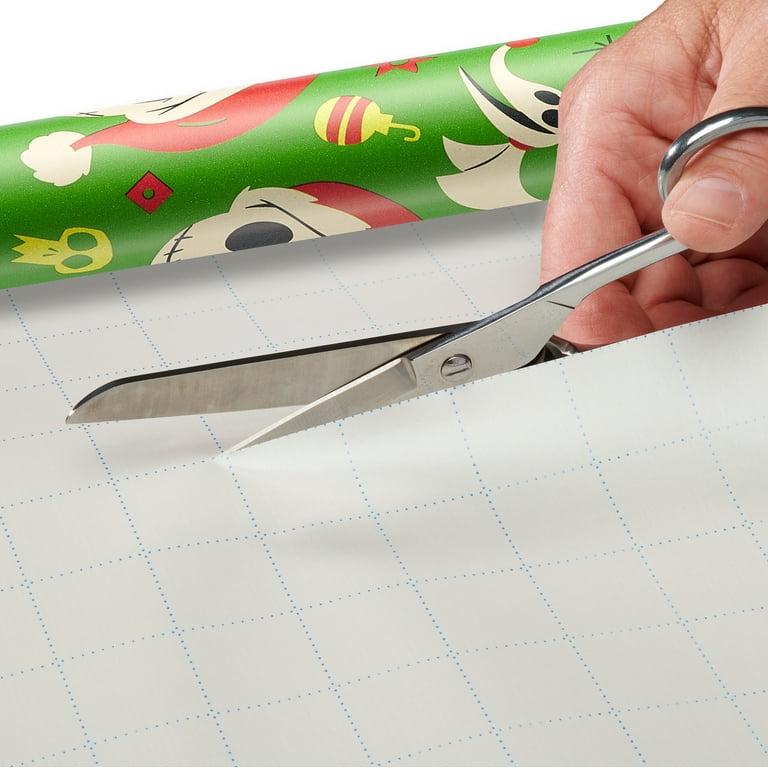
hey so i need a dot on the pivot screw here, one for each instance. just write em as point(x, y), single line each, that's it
point(456, 368)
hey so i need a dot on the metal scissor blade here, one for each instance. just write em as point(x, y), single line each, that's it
point(268, 381)
point(505, 341)
point(386, 385)
point(389, 383)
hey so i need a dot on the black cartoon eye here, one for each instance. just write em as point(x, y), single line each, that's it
point(547, 97)
point(258, 233)
point(549, 117)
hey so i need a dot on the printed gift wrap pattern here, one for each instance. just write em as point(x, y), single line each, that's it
point(207, 173)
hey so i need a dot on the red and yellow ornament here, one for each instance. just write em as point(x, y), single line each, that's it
point(346, 120)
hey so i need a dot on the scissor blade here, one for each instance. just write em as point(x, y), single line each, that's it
point(390, 383)
point(268, 381)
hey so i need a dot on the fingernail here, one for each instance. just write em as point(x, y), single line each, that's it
point(712, 199)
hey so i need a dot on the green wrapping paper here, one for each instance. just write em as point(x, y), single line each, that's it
point(313, 156)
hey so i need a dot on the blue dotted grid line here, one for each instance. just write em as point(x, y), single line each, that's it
point(89, 652)
point(639, 549)
point(568, 637)
point(57, 660)
point(345, 287)
point(142, 551)
point(333, 688)
point(447, 272)
point(413, 583)
point(247, 306)
point(706, 434)
point(242, 305)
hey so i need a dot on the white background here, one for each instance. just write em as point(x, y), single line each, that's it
point(63, 57)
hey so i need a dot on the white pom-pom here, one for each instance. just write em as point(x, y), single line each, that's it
point(53, 159)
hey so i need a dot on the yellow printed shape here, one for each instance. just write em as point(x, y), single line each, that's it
point(94, 249)
point(347, 120)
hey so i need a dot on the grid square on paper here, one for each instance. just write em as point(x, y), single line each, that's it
point(256, 663)
point(376, 255)
point(615, 415)
point(724, 393)
point(266, 476)
point(29, 411)
point(396, 470)
point(135, 447)
point(29, 700)
point(34, 468)
point(413, 709)
point(202, 336)
point(268, 275)
point(451, 538)
point(685, 494)
point(333, 560)
point(23, 644)
point(559, 517)
point(495, 285)
point(185, 505)
point(189, 741)
point(62, 308)
point(492, 275)
point(530, 683)
point(397, 304)
point(302, 730)
point(293, 322)
point(373, 632)
point(694, 733)
point(22, 358)
point(709, 574)
point(101, 606)
point(740, 454)
point(654, 666)
point(592, 740)
point(133, 686)
point(487, 610)
point(68, 531)
point(175, 290)
point(99, 352)
point(735, 644)
point(588, 597)
point(501, 419)
point(502, 235)
point(217, 582)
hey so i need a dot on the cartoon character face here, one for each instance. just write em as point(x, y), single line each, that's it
point(79, 249)
point(257, 217)
point(172, 108)
point(530, 119)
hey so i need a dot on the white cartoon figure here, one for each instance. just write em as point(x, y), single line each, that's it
point(490, 174)
point(175, 124)
point(274, 215)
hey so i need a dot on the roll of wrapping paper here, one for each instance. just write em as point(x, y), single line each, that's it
point(221, 171)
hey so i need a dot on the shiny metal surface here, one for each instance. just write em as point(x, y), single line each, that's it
point(334, 382)
point(700, 136)
point(268, 381)
point(515, 336)
point(505, 341)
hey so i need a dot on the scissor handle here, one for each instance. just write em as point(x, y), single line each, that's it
point(701, 136)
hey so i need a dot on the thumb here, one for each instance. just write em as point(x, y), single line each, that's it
point(721, 199)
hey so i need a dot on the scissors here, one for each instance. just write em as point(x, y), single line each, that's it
point(332, 382)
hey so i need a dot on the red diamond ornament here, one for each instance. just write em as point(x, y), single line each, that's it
point(149, 192)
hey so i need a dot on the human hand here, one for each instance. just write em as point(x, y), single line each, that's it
point(688, 60)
